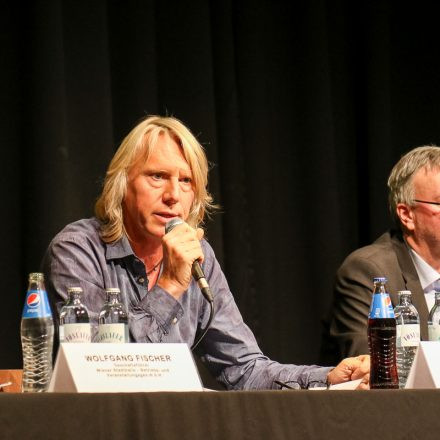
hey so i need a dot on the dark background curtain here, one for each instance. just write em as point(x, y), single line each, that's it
point(303, 108)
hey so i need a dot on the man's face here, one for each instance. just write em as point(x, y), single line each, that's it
point(157, 191)
point(426, 217)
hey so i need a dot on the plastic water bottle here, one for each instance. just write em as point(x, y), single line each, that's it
point(408, 334)
point(434, 319)
point(74, 318)
point(113, 319)
point(382, 339)
point(36, 336)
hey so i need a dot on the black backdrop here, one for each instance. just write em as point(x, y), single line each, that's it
point(303, 108)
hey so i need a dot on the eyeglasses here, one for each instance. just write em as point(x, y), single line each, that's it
point(425, 201)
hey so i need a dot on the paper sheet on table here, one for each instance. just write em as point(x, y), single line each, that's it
point(352, 385)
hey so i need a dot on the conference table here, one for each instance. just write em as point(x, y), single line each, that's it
point(289, 414)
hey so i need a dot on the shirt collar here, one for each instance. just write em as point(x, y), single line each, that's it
point(427, 274)
point(118, 249)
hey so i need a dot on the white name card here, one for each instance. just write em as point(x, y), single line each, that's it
point(425, 370)
point(97, 368)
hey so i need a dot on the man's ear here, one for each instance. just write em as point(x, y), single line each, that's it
point(406, 216)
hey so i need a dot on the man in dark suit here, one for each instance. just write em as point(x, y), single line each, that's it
point(409, 257)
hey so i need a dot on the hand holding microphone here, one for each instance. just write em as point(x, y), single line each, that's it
point(180, 240)
point(182, 253)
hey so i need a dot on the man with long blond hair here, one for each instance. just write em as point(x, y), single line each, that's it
point(159, 173)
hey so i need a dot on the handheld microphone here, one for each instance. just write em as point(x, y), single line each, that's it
point(196, 269)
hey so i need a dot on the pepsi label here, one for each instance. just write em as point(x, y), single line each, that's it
point(381, 306)
point(36, 305)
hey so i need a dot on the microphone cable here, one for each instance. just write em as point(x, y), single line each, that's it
point(205, 330)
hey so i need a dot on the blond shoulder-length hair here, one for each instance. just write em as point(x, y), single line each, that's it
point(138, 144)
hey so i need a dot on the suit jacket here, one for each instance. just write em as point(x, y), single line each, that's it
point(345, 331)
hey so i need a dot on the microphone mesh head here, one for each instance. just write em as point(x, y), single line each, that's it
point(173, 222)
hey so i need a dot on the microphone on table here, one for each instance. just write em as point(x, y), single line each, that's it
point(196, 270)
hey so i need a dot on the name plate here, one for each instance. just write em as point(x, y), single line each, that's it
point(425, 370)
point(115, 368)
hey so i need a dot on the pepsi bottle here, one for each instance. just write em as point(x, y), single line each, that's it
point(113, 320)
point(382, 339)
point(36, 336)
point(74, 318)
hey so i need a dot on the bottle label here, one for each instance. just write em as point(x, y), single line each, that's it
point(434, 332)
point(75, 333)
point(408, 335)
point(36, 305)
point(115, 333)
point(381, 306)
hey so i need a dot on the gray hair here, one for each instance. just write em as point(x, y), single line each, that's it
point(400, 182)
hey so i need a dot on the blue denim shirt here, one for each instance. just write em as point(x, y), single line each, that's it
point(78, 257)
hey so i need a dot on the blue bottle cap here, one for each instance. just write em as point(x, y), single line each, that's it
point(380, 280)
